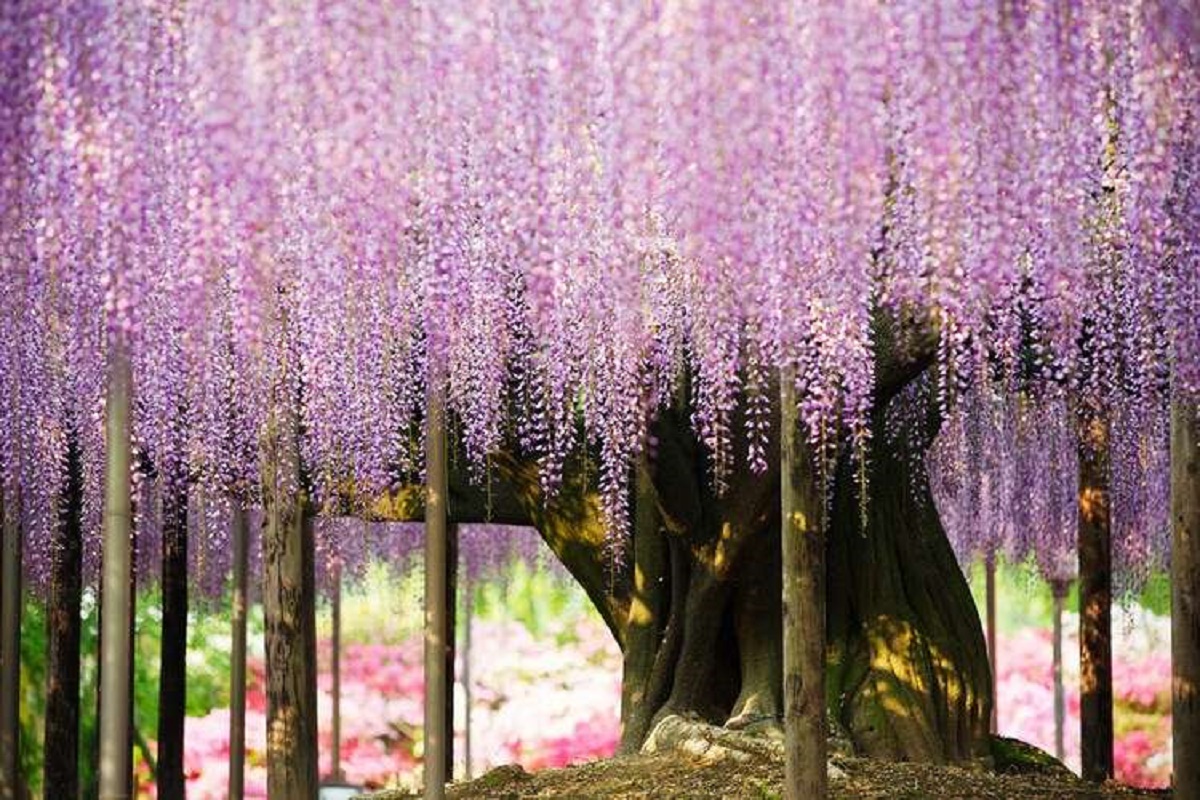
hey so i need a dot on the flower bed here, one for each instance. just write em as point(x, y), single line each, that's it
point(540, 702)
point(1141, 688)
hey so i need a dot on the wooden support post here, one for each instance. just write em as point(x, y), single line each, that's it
point(436, 620)
point(451, 642)
point(130, 732)
point(237, 659)
point(10, 651)
point(468, 615)
point(335, 663)
point(289, 608)
point(61, 739)
point(989, 589)
point(1059, 591)
point(1095, 607)
point(803, 551)
point(117, 571)
point(92, 788)
point(172, 684)
point(1185, 597)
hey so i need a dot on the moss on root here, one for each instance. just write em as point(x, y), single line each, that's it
point(1014, 757)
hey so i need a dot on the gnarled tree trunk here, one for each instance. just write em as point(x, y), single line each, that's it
point(908, 676)
point(696, 606)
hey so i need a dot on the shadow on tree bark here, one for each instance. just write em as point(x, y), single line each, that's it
point(695, 605)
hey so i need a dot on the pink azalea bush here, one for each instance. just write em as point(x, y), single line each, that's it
point(541, 701)
point(1141, 688)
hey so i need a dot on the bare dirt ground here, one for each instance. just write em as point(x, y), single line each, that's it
point(1020, 773)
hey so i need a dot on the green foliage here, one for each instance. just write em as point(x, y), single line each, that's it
point(209, 645)
point(381, 608)
point(1156, 595)
point(536, 598)
point(1023, 598)
point(33, 696)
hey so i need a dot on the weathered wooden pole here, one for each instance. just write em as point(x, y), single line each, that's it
point(289, 608)
point(803, 551)
point(130, 733)
point(116, 582)
point(172, 683)
point(237, 659)
point(61, 739)
point(1095, 606)
point(335, 658)
point(468, 616)
point(451, 641)
point(116, 586)
point(1185, 597)
point(989, 590)
point(436, 617)
point(92, 787)
point(10, 651)
point(1058, 590)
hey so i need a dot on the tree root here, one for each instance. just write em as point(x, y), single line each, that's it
point(712, 743)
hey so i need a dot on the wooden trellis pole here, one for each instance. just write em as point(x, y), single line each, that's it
point(116, 611)
point(239, 534)
point(10, 653)
point(803, 550)
point(436, 613)
point(1185, 597)
point(1095, 606)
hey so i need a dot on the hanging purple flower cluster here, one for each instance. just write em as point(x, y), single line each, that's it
point(346, 546)
point(972, 469)
point(1140, 490)
point(1004, 475)
point(552, 211)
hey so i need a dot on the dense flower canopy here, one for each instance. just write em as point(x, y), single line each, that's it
point(552, 211)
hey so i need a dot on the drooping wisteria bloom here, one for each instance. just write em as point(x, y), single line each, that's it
point(973, 478)
point(1004, 474)
point(556, 214)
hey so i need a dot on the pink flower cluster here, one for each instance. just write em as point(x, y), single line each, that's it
point(1142, 701)
point(535, 701)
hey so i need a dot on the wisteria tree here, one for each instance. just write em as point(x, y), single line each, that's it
point(657, 273)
